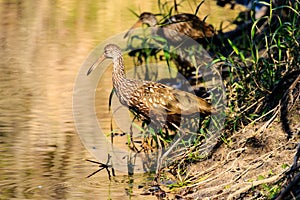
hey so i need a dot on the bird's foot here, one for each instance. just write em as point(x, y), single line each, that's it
point(102, 166)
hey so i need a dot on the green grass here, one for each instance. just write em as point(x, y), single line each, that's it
point(274, 53)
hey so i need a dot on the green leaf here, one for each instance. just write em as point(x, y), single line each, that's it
point(261, 177)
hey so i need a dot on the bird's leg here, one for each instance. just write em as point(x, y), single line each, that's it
point(102, 166)
point(159, 153)
point(133, 147)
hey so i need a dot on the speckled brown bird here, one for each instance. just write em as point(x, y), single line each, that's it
point(187, 24)
point(152, 101)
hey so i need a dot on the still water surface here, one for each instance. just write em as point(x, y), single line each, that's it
point(43, 45)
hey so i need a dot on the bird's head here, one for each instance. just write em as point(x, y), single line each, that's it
point(110, 51)
point(145, 18)
point(148, 18)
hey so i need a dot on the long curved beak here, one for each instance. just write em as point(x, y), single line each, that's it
point(96, 63)
point(137, 24)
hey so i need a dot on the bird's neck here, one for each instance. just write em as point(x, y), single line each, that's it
point(118, 74)
point(154, 24)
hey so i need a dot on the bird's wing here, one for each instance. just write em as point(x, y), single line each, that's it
point(161, 99)
point(190, 103)
point(189, 25)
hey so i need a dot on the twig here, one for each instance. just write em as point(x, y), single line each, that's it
point(214, 177)
point(233, 151)
point(284, 192)
point(296, 180)
point(254, 184)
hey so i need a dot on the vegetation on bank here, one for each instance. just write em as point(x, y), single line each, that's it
point(259, 63)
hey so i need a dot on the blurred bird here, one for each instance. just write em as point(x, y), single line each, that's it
point(187, 24)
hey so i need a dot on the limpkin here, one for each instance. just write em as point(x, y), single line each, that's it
point(177, 29)
point(152, 101)
point(184, 23)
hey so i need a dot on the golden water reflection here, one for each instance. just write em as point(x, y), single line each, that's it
point(43, 44)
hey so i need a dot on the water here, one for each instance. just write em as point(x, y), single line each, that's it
point(43, 45)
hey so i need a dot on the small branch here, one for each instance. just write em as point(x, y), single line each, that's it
point(284, 192)
point(254, 184)
point(294, 167)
